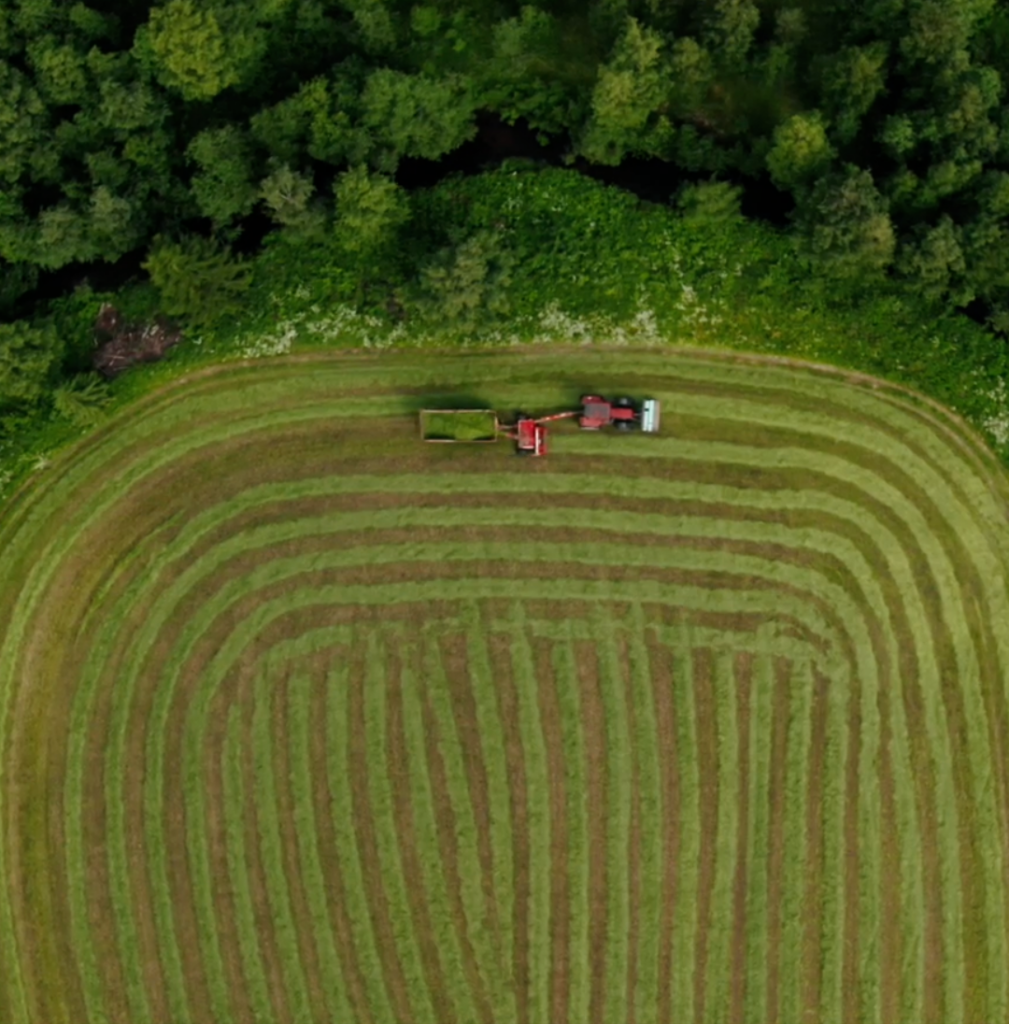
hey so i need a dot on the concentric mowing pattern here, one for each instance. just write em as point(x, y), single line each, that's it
point(305, 721)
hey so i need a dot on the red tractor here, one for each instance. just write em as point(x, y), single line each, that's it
point(530, 433)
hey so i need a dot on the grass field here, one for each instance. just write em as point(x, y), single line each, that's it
point(304, 720)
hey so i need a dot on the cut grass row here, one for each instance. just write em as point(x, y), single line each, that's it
point(577, 818)
point(618, 814)
point(721, 917)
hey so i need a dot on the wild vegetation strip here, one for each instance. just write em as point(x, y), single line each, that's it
point(402, 730)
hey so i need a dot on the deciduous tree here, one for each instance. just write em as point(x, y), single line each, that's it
point(801, 150)
point(933, 260)
point(370, 208)
point(288, 197)
point(223, 186)
point(468, 279)
point(190, 51)
point(730, 28)
point(629, 88)
point(197, 279)
point(710, 204)
point(416, 115)
point(29, 356)
point(852, 79)
point(23, 122)
point(846, 228)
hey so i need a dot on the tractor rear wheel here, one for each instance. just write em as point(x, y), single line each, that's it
point(624, 403)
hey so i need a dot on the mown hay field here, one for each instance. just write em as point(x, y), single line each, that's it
point(302, 719)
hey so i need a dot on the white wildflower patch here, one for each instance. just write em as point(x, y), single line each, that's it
point(277, 343)
point(41, 462)
point(997, 425)
point(556, 324)
point(694, 311)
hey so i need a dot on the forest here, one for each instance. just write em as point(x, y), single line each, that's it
point(183, 143)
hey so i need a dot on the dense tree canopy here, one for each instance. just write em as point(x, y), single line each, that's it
point(135, 127)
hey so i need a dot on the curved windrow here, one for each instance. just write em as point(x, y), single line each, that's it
point(303, 720)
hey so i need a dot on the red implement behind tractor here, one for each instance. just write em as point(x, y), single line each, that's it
point(530, 434)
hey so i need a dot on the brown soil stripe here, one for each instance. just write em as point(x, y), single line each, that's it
point(811, 967)
point(297, 897)
point(595, 748)
point(499, 647)
point(634, 837)
point(449, 847)
point(226, 696)
point(775, 861)
point(737, 962)
point(327, 844)
point(367, 841)
point(890, 940)
point(662, 684)
point(560, 908)
point(398, 767)
point(850, 985)
point(707, 755)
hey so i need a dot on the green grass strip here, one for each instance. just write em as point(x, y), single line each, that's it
point(386, 833)
point(618, 816)
point(157, 854)
point(912, 870)
point(538, 816)
point(722, 912)
point(759, 841)
point(835, 758)
point(685, 923)
point(650, 848)
point(123, 900)
point(436, 883)
point(235, 802)
point(492, 741)
point(470, 871)
point(285, 931)
point(347, 850)
point(577, 820)
point(302, 770)
point(795, 838)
